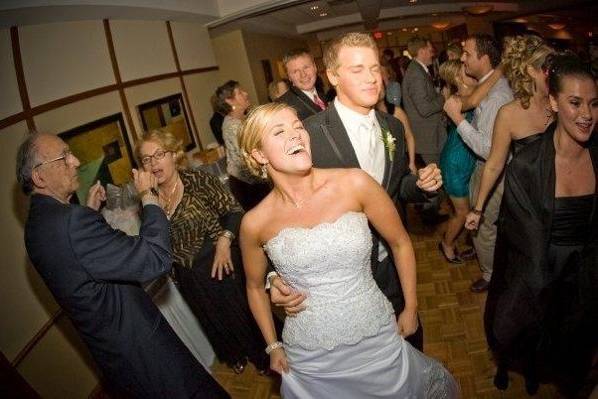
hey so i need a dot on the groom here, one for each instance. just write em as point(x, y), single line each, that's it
point(350, 134)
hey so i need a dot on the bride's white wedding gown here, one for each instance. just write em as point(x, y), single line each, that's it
point(345, 343)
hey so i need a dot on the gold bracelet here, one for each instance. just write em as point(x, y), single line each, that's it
point(228, 234)
point(150, 191)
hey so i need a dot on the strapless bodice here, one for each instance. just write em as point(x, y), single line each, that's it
point(330, 263)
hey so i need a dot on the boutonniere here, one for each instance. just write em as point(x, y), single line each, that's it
point(389, 143)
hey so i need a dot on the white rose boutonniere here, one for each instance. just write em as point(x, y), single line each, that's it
point(389, 143)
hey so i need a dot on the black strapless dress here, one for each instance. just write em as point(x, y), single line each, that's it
point(558, 346)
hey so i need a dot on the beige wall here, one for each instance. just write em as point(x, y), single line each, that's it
point(266, 47)
point(9, 100)
point(231, 56)
point(59, 60)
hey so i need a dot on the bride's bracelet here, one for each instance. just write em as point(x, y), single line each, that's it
point(272, 346)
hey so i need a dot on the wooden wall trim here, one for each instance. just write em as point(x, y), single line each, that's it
point(121, 90)
point(18, 63)
point(36, 338)
point(182, 80)
point(16, 118)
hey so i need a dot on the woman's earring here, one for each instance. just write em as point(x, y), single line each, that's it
point(233, 107)
point(264, 171)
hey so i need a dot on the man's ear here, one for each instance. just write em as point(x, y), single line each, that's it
point(259, 156)
point(37, 179)
point(332, 77)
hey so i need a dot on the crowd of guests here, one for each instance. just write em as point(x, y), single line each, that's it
point(311, 220)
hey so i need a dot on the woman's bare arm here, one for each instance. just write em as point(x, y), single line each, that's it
point(409, 138)
point(383, 215)
point(481, 91)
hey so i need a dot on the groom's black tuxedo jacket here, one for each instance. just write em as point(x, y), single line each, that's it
point(332, 148)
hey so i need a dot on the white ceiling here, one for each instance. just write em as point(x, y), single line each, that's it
point(283, 17)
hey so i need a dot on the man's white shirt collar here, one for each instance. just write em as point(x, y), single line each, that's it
point(486, 76)
point(352, 119)
point(422, 64)
point(310, 94)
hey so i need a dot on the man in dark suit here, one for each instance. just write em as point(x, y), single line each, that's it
point(94, 272)
point(303, 95)
point(423, 104)
point(351, 134)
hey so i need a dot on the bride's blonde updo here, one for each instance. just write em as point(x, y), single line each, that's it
point(252, 131)
point(519, 53)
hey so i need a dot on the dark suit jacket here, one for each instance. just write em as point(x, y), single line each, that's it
point(297, 99)
point(94, 272)
point(423, 105)
point(332, 148)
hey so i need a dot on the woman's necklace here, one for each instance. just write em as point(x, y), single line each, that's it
point(167, 201)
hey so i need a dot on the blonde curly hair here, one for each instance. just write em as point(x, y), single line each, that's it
point(253, 130)
point(519, 53)
point(168, 141)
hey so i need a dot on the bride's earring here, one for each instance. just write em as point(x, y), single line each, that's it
point(233, 107)
point(264, 171)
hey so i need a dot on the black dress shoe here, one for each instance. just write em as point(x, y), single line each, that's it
point(455, 259)
point(501, 379)
point(480, 285)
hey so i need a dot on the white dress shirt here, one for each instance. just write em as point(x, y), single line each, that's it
point(365, 135)
point(478, 134)
point(422, 64)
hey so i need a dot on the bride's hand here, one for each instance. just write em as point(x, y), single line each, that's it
point(278, 361)
point(407, 323)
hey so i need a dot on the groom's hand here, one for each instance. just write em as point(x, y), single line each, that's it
point(429, 178)
point(282, 295)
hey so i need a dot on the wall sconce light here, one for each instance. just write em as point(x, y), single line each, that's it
point(440, 25)
point(479, 9)
point(556, 25)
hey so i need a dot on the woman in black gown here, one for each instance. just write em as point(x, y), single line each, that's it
point(541, 314)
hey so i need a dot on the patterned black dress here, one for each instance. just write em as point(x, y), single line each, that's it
point(206, 209)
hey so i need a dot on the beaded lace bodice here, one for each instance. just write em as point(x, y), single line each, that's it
point(330, 263)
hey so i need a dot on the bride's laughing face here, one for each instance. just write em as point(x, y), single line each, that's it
point(285, 144)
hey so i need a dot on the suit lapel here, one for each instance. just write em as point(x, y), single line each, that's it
point(338, 138)
point(305, 100)
point(388, 162)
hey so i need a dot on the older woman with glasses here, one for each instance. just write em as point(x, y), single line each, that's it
point(204, 223)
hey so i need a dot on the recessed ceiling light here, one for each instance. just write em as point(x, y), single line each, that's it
point(323, 14)
point(404, 29)
point(413, 1)
point(415, 29)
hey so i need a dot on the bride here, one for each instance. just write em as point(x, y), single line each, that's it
point(314, 228)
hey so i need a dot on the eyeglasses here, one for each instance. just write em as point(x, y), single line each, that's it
point(64, 156)
point(158, 155)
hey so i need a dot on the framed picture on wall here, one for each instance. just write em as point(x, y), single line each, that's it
point(104, 150)
point(168, 112)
